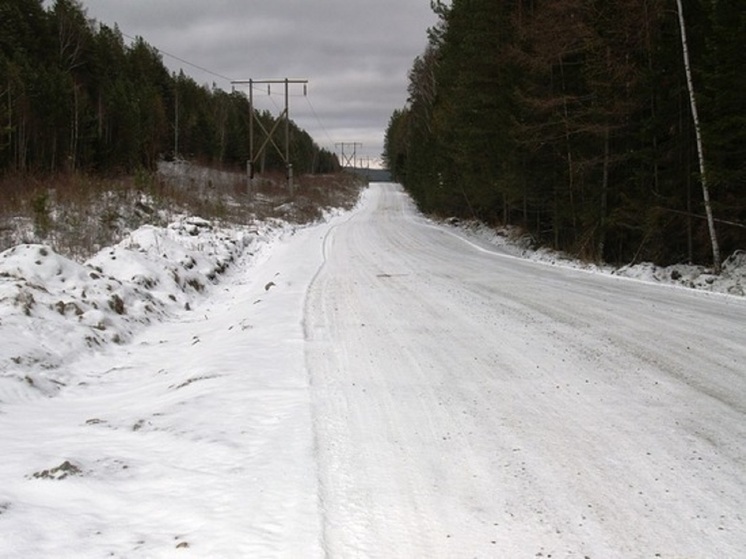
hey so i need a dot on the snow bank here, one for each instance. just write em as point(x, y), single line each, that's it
point(52, 308)
point(731, 281)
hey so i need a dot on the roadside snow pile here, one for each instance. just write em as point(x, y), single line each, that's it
point(52, 308)
point(732, 280)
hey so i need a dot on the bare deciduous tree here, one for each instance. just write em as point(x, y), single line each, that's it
point(700, 147)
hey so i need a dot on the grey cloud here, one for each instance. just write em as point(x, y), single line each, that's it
point(356, 55)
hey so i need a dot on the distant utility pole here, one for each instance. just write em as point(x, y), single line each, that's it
point(351, 160)
point(176, 123)
point(285, 115)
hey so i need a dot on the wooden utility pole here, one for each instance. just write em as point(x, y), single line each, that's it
point(176, 122)
point(351, 160)
point(254, 155)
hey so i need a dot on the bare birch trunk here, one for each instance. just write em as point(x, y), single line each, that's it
point(700, 149)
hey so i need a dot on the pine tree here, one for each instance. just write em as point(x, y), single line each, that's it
point(573, 118)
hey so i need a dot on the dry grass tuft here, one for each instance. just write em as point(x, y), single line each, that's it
point(78, 214)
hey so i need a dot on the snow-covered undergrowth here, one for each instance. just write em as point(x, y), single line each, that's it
point(732, 280)
point(53, 308)
point(62, 294)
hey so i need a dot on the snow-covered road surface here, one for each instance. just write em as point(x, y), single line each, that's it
point(379, 386)
point(468, 404)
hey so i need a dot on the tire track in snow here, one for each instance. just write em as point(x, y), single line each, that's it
point(312, 339)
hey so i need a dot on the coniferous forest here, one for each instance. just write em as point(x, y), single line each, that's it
point(572, 119)
point(75, 97)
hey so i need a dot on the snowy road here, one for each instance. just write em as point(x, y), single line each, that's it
point(468, 404)
point(380, 387)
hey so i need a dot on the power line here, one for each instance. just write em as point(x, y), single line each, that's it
point(270, 93)
point(183, 61)
point(326, 132)
point(253, 86)
point(271, 96)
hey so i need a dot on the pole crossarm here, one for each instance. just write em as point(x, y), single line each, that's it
point(264, 82)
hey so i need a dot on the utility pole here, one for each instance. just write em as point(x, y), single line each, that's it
point(284, 154)
point(351, 160)
point(176, 122)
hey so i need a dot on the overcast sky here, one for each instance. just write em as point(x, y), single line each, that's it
point(355, 53)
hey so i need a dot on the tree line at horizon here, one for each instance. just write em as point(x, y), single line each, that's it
point(74, 96)
point(571, 119)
